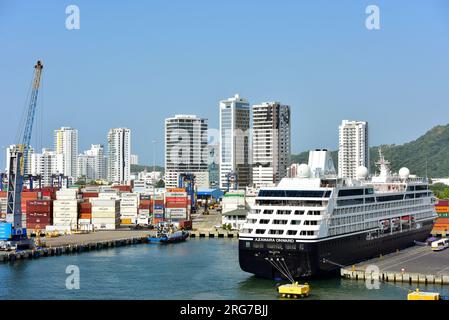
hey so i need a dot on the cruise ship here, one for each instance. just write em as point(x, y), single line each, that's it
point(315, 223)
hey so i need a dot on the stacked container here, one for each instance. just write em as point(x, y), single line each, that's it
point(65, 208)
point(176, 203)
point(27, 196)
point(158, 208)
point(129, 205)
point(39, 214)
point(105, 213)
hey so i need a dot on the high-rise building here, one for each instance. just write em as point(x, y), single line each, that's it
point(353, 149)
point(186, 149)
point(119, 154)
point(134, 159)
point(235, 141)
point(66, 143)
point(271, 143)
point(92, 163)
point(46, 164)
point(8, 156)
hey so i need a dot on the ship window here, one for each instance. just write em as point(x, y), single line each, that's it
point(411, 188)
point(370, 200)
point(260, 231)
point(369, 191)
point(287, 212)
point(390, 198)
point(314, 213)
point(268, 211)
point(293, 193)
point(349, 202)
point(292, 232)
point(264, 221)
point(421, 188)
point(280, 221)
point(276, 231)
point(295, 222)
point(310, 223)
point(410, 196)
point(274, 246)
point(252, 220)
point(350, 192)
point(247, 230)
point(299, 212)
point(247, 244)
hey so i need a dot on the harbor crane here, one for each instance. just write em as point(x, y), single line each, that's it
point(12, 232)
point(187, 181)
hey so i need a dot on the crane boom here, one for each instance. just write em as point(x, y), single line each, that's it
point(19, 158)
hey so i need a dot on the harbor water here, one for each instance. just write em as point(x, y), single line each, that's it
point(196, 269)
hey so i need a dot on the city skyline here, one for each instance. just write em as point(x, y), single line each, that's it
point(332, 67)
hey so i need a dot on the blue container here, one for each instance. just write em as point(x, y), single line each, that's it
point(159, 206)
point(158, 215)
point(5, 231)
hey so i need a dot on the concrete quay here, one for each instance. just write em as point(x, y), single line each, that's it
point(77, 243)
point(214, 234)
point(418, 264)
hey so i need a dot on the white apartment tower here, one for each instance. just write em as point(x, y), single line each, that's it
point(235, 141)
point(46, 164)
point(66, 143)
point(353, 148)
point(186, 149)
point(134, 159)
point(119, 154)
point(92, 163)
point(271, 143)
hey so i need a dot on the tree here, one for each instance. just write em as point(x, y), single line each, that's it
point(160, 184)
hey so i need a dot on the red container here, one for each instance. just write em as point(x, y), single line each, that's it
point(185, 224)
point(37, 226)
point(176, 205)
point(123, 188)
point(442, 221)
point(443, 203)
point(176, 199)
point(3, 194)
point(87, 195)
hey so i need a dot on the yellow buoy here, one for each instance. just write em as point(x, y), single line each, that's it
point(294, 290)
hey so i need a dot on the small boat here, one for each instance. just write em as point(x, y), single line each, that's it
point(169, 235)
point(294, 290)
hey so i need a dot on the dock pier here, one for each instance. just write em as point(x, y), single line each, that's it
point(413, 265)
point(77, 243)
point(214, 234)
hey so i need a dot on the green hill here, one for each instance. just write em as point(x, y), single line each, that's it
point(432, 147)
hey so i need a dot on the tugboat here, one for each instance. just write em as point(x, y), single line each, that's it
point(168, 234)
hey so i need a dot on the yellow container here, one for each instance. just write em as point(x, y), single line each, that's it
point(125, 221)
point(428, 296)
point(294, 290)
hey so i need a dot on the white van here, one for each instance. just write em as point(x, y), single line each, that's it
point(440, 244)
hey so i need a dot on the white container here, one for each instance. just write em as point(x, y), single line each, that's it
point(176, 213)
point(103, 202)
point(60, 229)
point(65, 203)
point(83, 221)
point(104, 226)
point(104, 209)
point(105, 220)
point(105, 215)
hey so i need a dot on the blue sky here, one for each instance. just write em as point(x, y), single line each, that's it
point(135, 63)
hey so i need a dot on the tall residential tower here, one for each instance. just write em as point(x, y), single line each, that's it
point(66, 143)
point(186, 149)
point(235, 141)
point(119, 154)
point(271, 143)
point(353, 149)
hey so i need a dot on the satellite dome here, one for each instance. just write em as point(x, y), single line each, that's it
point(304, 171)
point(362, 172)
point(404, 173)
